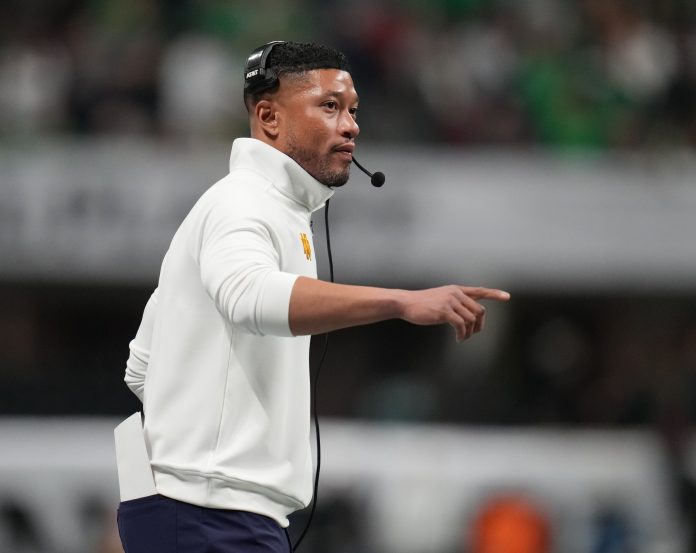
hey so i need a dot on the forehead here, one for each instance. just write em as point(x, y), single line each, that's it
point(319, 82)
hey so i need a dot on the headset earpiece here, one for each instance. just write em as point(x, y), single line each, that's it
point(256, 75)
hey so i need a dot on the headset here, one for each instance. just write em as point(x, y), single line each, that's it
point(258, 76)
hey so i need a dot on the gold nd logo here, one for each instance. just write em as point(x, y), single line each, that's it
point(305, 245)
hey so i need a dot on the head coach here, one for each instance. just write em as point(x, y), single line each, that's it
point(221, 357)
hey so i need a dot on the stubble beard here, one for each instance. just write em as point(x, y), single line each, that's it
point(318, 166)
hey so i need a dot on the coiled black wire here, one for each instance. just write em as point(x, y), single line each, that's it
point(314, 396)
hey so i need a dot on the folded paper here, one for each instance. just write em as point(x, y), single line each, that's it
point(134, 473)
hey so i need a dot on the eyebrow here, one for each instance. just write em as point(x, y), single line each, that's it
point(339, 93)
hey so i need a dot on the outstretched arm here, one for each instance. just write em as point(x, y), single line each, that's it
point(317, 306)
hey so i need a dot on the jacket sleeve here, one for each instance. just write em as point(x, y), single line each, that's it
point(240, 270)
point(136, 366)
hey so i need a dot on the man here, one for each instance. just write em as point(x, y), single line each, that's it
point(221, 357)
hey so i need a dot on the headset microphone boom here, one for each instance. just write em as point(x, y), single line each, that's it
point(377, 178)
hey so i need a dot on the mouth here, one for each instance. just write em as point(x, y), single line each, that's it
point(345, 151)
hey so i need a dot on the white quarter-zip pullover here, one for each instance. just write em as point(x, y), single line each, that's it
point(224, 383)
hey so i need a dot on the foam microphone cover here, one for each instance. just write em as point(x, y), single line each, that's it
point(377, 179)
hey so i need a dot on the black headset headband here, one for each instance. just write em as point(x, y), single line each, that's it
point(257, 76)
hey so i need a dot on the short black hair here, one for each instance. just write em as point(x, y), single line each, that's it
point(297, 57)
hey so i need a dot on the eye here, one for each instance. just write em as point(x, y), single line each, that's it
point(353, 112)
point(331, 104)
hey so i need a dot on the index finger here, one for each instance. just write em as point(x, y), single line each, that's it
point(478, 293)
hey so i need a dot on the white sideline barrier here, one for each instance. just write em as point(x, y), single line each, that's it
point(105, 210)
point(417, 486)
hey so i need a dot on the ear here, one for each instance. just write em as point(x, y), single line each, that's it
point(267, 117)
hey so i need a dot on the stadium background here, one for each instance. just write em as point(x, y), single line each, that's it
point(541, 146)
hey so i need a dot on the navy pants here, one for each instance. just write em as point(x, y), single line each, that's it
point(159, 524)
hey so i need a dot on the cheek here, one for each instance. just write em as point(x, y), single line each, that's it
point(310, 130)
point(317, 129)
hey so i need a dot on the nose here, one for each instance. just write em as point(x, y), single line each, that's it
point(348, 126)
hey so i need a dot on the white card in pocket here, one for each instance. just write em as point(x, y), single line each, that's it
point(134, 472)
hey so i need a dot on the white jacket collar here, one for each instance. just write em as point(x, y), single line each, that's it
point(285, 173)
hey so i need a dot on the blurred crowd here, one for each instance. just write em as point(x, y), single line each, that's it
point(589, 73)
point(593, 73)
